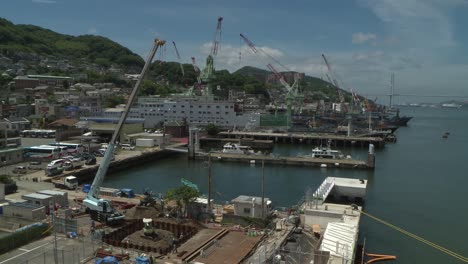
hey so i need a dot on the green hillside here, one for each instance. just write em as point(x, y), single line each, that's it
point(31, 39)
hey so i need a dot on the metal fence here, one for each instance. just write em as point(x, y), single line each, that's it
point(69, 250)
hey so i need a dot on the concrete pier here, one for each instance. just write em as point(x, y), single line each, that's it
point(303, 138)
point(293, 161)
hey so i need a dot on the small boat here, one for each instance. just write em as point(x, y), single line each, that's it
point(445, 135)
point(232, 148)
point(326, 153)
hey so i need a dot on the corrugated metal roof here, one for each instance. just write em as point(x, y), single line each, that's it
point(51, 192)
point(36, 196)
point(340, 239)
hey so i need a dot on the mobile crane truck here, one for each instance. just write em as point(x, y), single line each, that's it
point(101, 209)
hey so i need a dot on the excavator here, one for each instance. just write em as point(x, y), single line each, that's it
point(101, 209)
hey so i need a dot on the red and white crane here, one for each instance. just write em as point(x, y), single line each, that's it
point(333, 79)
point(178, 58)
point(269, 65)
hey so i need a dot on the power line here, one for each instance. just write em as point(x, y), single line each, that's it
point(420, 239)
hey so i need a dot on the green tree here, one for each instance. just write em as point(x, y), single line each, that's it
point(183, 196)
point(212, 129)
point(113, 101)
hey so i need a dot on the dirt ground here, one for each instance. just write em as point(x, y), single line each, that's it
point(140, 212)
point(163, 239)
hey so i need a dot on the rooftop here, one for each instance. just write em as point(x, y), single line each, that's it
point(26, 205)
point(339, 239)
point(50, 77)
point(51, 192)
point(36, 196)
point(248, 199)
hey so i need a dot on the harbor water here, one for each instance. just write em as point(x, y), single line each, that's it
point(419, 184)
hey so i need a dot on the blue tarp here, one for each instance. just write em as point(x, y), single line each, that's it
point(107, 260)
point(142, 260)
point(86, 188)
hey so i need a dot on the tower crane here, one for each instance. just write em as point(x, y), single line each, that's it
point(178, 58)
point(99, 208)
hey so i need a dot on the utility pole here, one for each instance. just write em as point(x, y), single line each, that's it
point(209, 182)
point(52, 213)
point(263, 188)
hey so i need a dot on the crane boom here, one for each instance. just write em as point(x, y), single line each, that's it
point(92, 201)
point(217, 38)
point(256, 50)
point(330, 71)
point(197, 70)
point(178, 57)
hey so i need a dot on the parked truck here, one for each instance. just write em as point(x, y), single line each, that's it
point(69, 182)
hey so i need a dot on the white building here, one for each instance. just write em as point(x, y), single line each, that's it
point(251, 206)
point(196, 111)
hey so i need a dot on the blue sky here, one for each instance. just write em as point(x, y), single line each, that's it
point(422, 41)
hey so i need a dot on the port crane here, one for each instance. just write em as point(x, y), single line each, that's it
point(178, 58)
point(294, 96)
point(208, 73)
point(99, 208)
point(332, 80)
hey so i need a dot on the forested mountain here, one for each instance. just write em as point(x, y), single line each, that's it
point(29, 39)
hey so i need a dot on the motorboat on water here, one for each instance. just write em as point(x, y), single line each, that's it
point(326, 153)
point(233, 148)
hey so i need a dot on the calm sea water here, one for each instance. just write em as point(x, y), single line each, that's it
point(419, 184)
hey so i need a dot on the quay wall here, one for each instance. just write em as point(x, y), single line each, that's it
point(313, 139)
point(88, 173)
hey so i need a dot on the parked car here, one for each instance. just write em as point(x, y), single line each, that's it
point(90, 161)
point(35, 165)
point(99, 153)
point(58, 163)
point(52, 171)
point(20, 170)
point(73, 163)
point(127, 147)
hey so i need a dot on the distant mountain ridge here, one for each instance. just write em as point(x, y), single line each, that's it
point(29, 39)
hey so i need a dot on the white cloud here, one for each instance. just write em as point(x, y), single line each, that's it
point(361, 38)
point(44, 1)
point(93, 31)
point(416, 21)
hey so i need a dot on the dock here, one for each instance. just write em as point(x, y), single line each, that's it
point(253, 143)
point(293, 161)
point(338, 222)
point(307, 138)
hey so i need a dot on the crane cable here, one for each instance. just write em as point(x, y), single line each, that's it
point(420, 239)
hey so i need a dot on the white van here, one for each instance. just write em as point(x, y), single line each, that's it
point(127, 147)
point(58, 163)
point(73, 163)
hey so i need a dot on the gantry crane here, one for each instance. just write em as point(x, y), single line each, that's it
point(99, 208)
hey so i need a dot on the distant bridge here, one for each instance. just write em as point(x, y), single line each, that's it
point(419, 95)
